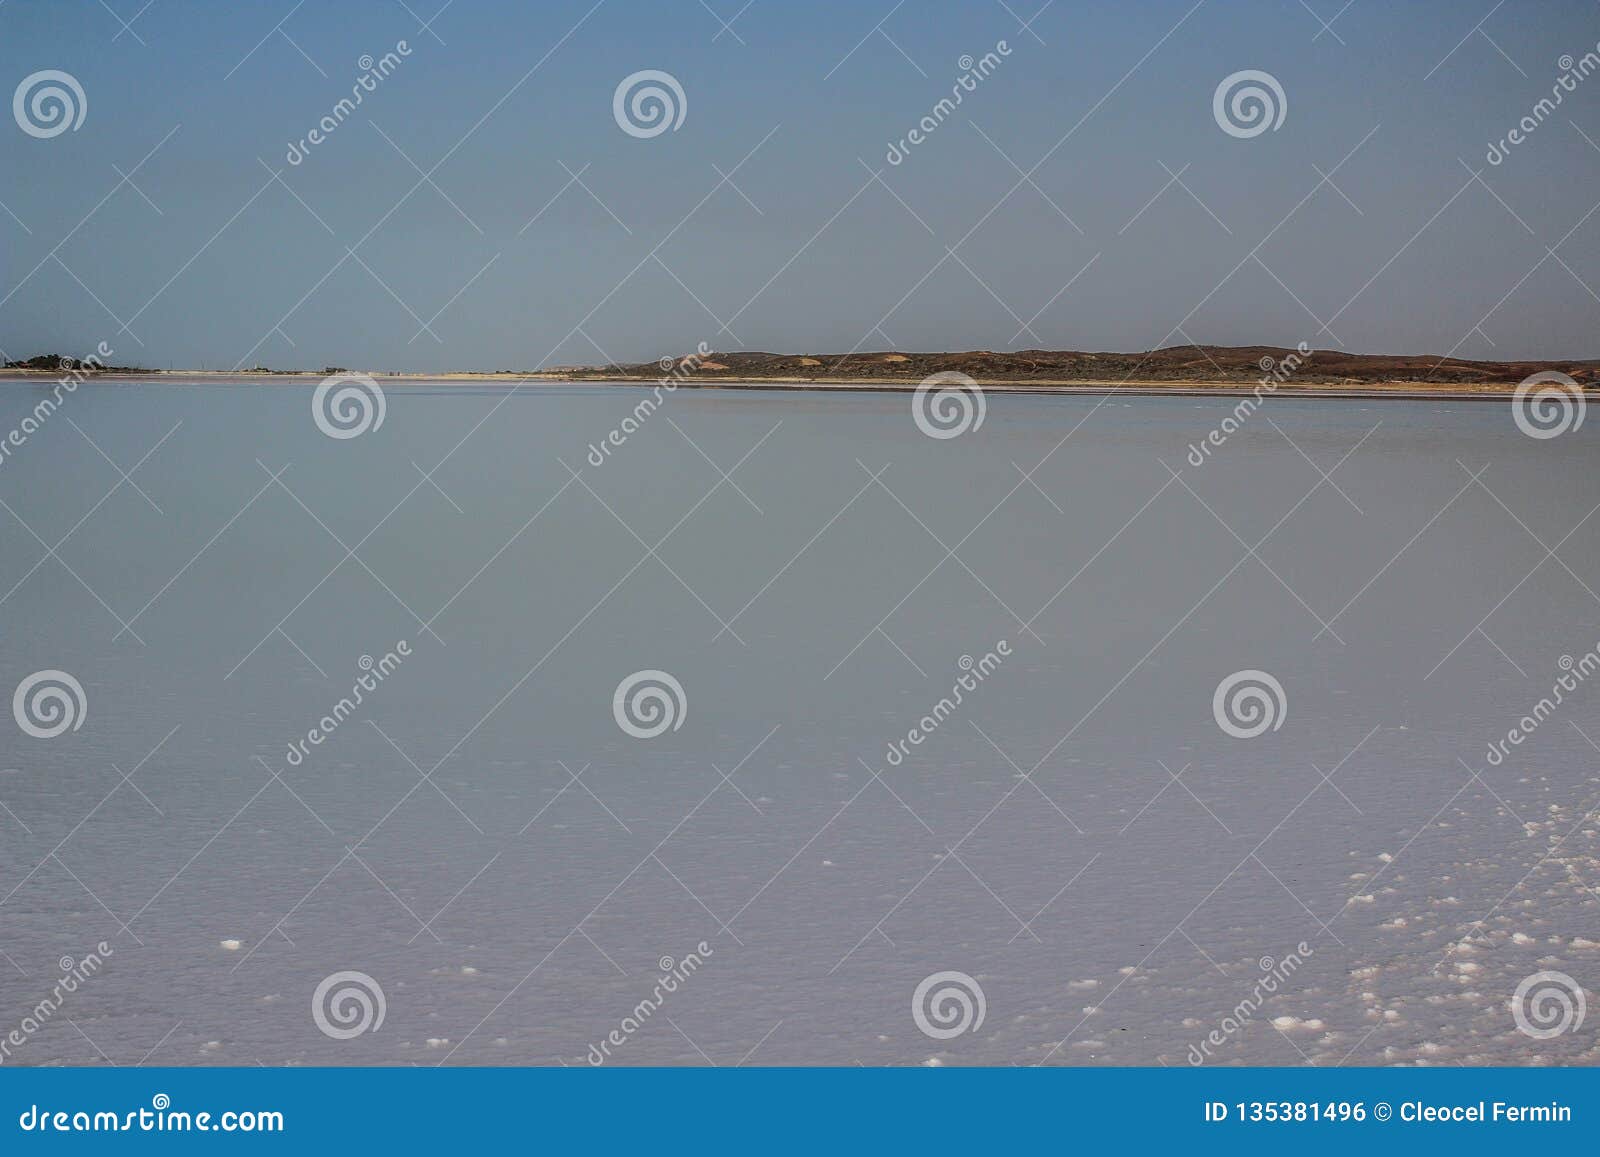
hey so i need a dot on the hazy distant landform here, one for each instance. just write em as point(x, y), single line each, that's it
point(1175, 366)
point(1178, 365)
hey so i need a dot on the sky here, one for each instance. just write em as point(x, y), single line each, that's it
point(484, 208)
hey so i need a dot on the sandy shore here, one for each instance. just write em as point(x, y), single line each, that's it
point(1391, 391)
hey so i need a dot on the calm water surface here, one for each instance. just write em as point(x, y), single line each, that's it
point(1079, 836)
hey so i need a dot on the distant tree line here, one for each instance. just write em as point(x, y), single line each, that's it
point(63, 363)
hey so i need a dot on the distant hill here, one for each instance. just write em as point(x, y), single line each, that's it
point(1233, 364)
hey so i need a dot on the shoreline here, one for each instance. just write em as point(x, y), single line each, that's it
point(1185, 388)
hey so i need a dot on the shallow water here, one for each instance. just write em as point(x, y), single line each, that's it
point(482, 838)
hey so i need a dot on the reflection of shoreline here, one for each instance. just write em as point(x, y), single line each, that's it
point(1197, 388)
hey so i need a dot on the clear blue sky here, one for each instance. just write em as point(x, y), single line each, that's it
point(233, 267)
